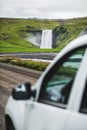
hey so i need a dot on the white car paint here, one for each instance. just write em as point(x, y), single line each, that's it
point(34, 115)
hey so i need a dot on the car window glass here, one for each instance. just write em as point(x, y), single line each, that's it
point(57, 84)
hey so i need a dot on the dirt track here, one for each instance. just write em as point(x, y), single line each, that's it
point(8, 80)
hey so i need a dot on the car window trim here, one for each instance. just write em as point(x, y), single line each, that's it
point(53, 103)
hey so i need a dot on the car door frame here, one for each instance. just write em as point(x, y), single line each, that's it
point(71, 103)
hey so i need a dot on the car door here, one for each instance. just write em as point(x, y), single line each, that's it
point(50, 111)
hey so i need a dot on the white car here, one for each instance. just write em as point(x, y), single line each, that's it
point(58, 101)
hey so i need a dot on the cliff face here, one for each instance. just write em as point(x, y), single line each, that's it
point(59, 35)
point(68, 31)
point(34, 37)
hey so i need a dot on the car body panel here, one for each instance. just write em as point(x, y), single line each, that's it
point(77, 121)
point(44, 117)
point(16, 111)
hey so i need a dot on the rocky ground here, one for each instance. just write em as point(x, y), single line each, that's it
point(8, 80)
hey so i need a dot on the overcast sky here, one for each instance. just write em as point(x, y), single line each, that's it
point(43, 8)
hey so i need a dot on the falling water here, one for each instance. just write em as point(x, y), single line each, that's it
point(46, 41)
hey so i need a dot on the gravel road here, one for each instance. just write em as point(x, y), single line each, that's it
point(8, 80)
point(45, 56)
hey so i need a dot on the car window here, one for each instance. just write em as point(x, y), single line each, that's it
point(83, 108)
point(58, 82)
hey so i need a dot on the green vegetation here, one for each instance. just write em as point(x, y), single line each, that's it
point(68, 31)
point(68, 71)
point(14, 31)
point(40, 66)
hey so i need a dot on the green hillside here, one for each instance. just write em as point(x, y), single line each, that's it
point(13, 32)
point(69, 30)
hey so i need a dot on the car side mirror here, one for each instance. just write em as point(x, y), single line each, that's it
point(23, 92)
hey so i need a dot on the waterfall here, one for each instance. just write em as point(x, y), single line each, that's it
point(46, 40)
